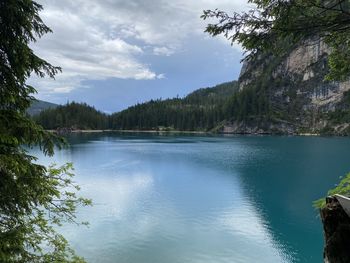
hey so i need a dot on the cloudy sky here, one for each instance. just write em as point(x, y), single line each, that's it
point(115, 53)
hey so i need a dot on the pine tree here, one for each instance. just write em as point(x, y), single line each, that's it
point(33, 198)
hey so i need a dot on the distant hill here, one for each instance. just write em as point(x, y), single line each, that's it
point(40, 105)
point(219, 92)
point(201, 110)
point(72, 115)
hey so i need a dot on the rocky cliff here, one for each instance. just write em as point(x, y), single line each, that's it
point(300, 99)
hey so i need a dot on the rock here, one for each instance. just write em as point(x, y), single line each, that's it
point(259, 127)
point(297, 92)
point(336, 227)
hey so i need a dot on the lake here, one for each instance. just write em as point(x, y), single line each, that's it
point(186, 198)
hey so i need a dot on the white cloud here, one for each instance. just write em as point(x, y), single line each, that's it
point(107, 38)
point(162, 51)
point(161, 76)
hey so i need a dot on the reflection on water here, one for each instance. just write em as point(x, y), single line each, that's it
point(202, 199)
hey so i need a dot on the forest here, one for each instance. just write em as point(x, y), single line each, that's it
point(72, 115)
point(201, 110)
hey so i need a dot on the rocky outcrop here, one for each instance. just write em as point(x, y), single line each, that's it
point(298, 92)
point(336, 226)
point(259, 127)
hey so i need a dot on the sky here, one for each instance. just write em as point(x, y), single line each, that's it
point(116, 53)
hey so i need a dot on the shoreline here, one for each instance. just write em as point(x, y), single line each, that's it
point(193, 132)
point(153, 131)
point(129, 131)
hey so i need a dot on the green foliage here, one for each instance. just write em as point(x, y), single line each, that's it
point(33, 205)
point(342, 188)
point(251, 102)
point(32, 198)
point(200, 111)
point(339, 59)
point(72, 115)
point(213, 95)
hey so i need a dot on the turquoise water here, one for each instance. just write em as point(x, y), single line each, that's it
point(165, 199)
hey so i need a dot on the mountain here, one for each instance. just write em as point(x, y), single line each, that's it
point(201, 110)
point(214, 94)
point(289, 94)
point(38, 106)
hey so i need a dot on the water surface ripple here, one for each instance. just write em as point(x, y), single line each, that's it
point(176, 199)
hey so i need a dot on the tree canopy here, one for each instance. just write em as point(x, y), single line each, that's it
point(270, 24)
point(73, 115)
point(33, 198)
point(201, 110)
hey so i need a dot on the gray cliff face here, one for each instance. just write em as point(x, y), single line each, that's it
point(259, 127)
point(298, 91)
point(310, 62)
